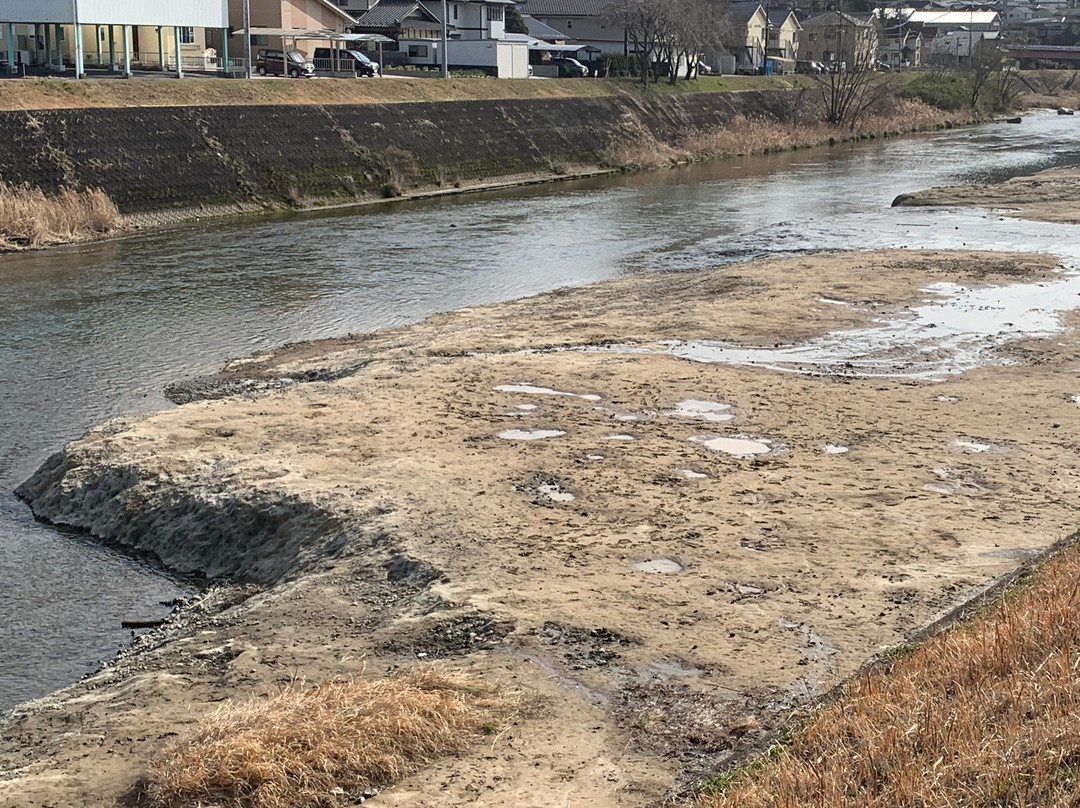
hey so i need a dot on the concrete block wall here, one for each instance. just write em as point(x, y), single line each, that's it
point(160, 158)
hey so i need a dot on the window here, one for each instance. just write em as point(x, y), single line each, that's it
point(417, 51)
point(260, 39)
point(495, 13)
point(812, 37)
point(187, 35)
point(455, 11)
point(569, 24)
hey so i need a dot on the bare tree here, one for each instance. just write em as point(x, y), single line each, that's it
point(986, 59)
point(644, 22)
point(850, 87)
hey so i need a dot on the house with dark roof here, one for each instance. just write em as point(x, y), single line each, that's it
point(586, 21)
point(410, 24)
point(751, 23)
point(783, 37)
point(476, 35)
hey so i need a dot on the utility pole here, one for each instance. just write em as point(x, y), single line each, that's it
point(247, 39)
point(445, 56)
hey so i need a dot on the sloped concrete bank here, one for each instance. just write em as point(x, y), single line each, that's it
point(174, 158)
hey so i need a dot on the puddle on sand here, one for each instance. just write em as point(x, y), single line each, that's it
point(738, 446)
point(949, 399)
point(835, 448)
point(690, 474)
point(530, 389)
point(833, 301)
point(618, 437)
point(536, 434)
point(971, 446)
point(594, 457)
point(702, 410)
point(554, 493)
point(660, 565)
point(1016, 552)
point(526, 407)
point(952, 482)
point(955, 331)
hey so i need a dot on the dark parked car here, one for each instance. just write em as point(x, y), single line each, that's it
point(347, 60)
point(274, 62)
point(569, 67)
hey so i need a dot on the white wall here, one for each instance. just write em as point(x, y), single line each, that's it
point(513, 60)
point(196, 13)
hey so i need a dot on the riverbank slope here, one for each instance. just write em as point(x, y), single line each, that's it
point(566, 522)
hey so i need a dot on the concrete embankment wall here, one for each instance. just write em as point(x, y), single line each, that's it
point(161, 158)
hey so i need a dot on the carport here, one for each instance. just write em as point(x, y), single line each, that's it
point(338, 42)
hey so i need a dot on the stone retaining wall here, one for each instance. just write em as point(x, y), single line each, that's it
point(161, 158)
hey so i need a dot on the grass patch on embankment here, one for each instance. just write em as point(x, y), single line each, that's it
point(319, 747)
point(982, 715)
point(61, 93)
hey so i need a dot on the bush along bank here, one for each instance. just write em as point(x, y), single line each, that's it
point(31, 218)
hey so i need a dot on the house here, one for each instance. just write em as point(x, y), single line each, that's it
point(900, 41)
point(751, 24)
point(416, 31)
point(476, 35)
point(836, 37)
point(284, 16)
point(783, 31)
point(586, 21)
point(41, 34)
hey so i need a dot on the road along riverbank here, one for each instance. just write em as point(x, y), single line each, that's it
point(599, 496)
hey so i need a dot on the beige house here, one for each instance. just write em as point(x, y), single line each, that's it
point(299, 15)
point(751, 23)
point(836, 38)
point(784, 30)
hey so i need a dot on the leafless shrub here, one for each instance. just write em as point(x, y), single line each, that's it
point(31, 218)
point(983, 715)
point(308, 747)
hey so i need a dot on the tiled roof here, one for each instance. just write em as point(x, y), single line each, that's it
point(388, 13)
point(564, 8)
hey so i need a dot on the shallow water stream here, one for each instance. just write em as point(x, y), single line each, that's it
point(90, 332)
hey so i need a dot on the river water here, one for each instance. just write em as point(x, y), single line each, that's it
point(93, 331)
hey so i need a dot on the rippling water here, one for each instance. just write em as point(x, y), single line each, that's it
point(90, 332)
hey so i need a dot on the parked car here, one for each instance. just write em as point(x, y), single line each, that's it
point(807, 68)
point(274, 62)
point(348, 60)
point(569, 67)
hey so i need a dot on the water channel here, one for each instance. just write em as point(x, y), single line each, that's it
point(94, 331)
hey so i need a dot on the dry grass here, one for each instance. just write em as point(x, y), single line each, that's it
point(987, 714)
point(31, 218)
point(54, 93)
point(761, 135)
point(304, 747)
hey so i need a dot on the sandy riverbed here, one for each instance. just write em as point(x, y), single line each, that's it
point(1048, 196)
point(422, 497)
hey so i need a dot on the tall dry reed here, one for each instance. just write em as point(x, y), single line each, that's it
point(31, 218)
point(304, 747)
point(762, 135)
point(987, 714)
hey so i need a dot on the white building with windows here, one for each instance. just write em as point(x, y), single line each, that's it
point(55, 34)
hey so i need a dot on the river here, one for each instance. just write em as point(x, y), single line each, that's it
point(94, 331)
